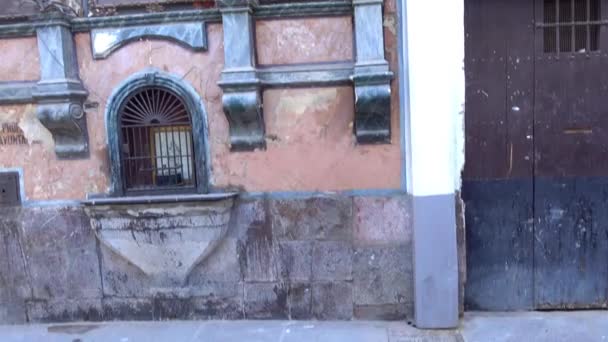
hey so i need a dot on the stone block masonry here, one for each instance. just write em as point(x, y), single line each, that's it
point(333, 257)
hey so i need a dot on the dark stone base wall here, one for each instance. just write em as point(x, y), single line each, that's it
point(327, 258)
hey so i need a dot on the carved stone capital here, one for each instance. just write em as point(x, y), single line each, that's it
point(66, 122)
point(372, 111)
point(244, 112)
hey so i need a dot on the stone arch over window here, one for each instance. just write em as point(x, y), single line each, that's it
point(157, 135)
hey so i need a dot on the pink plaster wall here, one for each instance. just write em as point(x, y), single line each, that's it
point(311, 147)
point(45, 176)
point(304, 40)
point(19, 59)
point(310, 141)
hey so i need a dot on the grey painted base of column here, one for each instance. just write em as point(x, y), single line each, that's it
point(435, 262)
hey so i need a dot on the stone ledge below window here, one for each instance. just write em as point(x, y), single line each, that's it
point(93, 200)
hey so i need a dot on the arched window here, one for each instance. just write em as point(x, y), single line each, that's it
point(156, 142)
point(157, 136)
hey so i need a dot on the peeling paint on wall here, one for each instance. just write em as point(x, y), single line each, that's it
point(34, 130)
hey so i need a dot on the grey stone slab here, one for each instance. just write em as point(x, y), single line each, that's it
point(107, 40)
point(322, 218)
point(127, 309)
point(259, 252)
point(61, 253)
point(436, 284)
point(120, 278)
point(247, 214)
point(223, 265)
point(299, 301)
point(332, 261)
point(260, 260)
point(41, 311)
point(311, 75)
point(382, 220)
point(63, 274)
point(217, 308)
point(266, 301)
point(384, 312)
point(197, 308)
point(14, 280)
point(304, 9)
point(332, 301)
point(296, 261)
point(383, 275)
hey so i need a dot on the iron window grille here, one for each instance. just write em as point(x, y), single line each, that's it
point(571, 26)
point(156, 143)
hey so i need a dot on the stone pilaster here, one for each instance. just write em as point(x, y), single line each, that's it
point(242, 93)
point(60, 94)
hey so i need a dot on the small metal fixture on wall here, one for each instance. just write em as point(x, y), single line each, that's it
point(10, 194)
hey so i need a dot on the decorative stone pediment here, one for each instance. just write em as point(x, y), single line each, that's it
point(165, 241)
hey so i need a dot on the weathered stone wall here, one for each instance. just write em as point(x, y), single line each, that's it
point(334, 257)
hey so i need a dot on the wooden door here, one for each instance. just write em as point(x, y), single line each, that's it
point(536, 176)
point(571, 164)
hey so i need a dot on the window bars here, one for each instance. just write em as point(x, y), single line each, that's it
point(156, 143)
point(571, 25)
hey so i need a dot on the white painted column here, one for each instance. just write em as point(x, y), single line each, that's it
point(432, 43)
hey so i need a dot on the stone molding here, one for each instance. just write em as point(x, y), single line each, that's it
point(85, 24)
point(17, 92)
point(242, 79)
point(306, 75)
point(105, 41)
